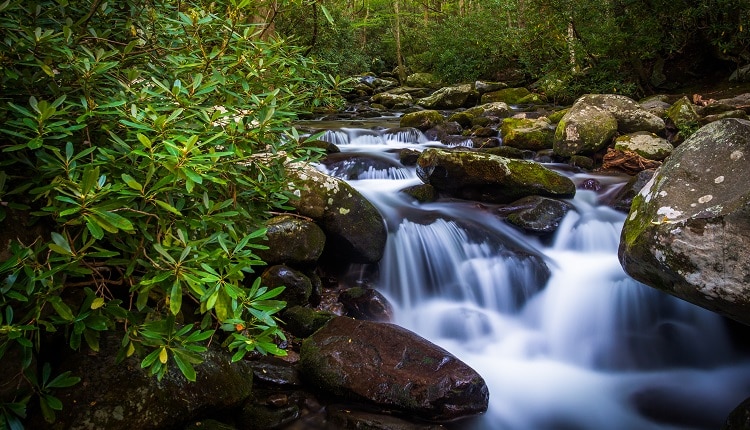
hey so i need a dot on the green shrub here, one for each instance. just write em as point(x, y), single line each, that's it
point(152, 138)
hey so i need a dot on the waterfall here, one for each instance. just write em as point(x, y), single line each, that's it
point(563, 337)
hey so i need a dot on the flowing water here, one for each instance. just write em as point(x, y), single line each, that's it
point(562, 336)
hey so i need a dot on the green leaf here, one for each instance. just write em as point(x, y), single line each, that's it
point(63, 380)
point(132, 183)
point(175, 298)
point(62, 245)
point(167, 206)
point(94, 228)
point(61, 308)
point(112, 220)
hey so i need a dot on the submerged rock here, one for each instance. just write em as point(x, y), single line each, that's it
point(391, 367)
point(688, 226)
point(489, 178)
point(538, 215)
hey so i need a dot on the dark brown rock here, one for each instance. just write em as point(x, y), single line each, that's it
point(391, 367)
point(366, 304)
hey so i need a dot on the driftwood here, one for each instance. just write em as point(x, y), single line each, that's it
point(627, 161)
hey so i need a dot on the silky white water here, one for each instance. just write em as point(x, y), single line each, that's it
point(562, 336)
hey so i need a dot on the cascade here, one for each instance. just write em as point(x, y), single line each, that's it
point(562, 336)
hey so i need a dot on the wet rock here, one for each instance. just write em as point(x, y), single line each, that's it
point(391, 367)
point(272, 371)
point(624, 198)
point(347, 418)
point(328, 147)
point(507, 152)
point(260, 412)
point(584, 130)
point(423, 193)
point(366, 304)
point(484, 132)
point(582, 161)
point(355, 230)
point(422, 120)
point(538, 215)
point(298, 287)
point(292, 240)
point(531, 134)
point(590, 184)
point(408, 157)
point(125, 396)
point(685, 227)
point(739, 418)
point(348, 166)
point(489, 178)
point(645, 144)
point(302, 321)
point(209, 425)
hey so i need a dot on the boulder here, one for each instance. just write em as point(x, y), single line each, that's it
point(298, 287)
point(585, 129)
point(489, 178)
point(423, 193)
point(124, 396)
point(645, 144)
point(494, 109)
point(683, 114)
point(488, 87)
point(450, 98)
point(531, 134)
point(292, 240)
point(355, 230)
point(390, 100)
point(423, 80)
point(422, 120)
point(686, 228)
point(366, 304)
point(630, 116)
point(624, 197)
point(389, 366)
point(462, 118)
point(302, 321)
point(510, 96)
point(538, 215)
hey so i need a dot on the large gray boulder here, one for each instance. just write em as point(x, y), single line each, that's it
point(389, 366)
point(688, 228)
point(450, 97)
point(489, 178)
point(630, 116)
point(584, 130)
point(355, 230)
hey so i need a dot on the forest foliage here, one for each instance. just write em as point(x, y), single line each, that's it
point(149, 140)
point(565, 46)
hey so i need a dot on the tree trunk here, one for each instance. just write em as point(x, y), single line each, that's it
point(399, 60)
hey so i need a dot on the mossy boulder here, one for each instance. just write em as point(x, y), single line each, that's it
point(355, 230)
point(423, 193)
point(687, 227)
point(423, 80)
point(422, 120)
point(630, 116)
point(489, 178)
point(683, 114)
point(450, 98)
point(531, 134)
point(492, 109)
point(585, 129)
point(292, 240)
point(390, 100)
point(645, 144)
point(510, 96)
point(462, 118)
point(388, 366)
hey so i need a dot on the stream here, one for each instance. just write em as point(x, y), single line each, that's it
point(562, 336)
